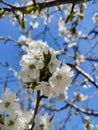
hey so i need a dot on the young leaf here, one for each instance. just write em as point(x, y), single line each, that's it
point(29, 9)
point(1, 13)
point(70, 17)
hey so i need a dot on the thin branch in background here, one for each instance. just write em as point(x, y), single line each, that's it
point(92, 59)
point(72, 105)
point(86, 75)
point(87, 112)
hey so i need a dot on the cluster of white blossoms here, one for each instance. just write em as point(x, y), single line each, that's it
point(11, 116)
point(41, 70)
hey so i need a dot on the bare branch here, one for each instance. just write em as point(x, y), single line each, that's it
point(36, 109)
point(91, 113)
point(42, 5)
point(71, 104)
point(85, 75)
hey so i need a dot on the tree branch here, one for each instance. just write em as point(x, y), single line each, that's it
point(91, 113)
point(36, 109)
point(71, 104)
point(40, 5)
point(85, 74)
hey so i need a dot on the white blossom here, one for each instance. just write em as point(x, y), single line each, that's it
point(34, 24)
point(28, 73)
point(44, 87)
point(80, 58)
point(95, 66)
point(80, 97)
point(23, 40)
point(43, 122)
point(62, 29)
point(95, 18)
point(41, 67)
point(54, 63)
point(20, 123)
point(8, 104)
point(71, 44)
point(86, 84)
point(60, 80)
point(87, 124)
point(13, 117)
point(97, 126)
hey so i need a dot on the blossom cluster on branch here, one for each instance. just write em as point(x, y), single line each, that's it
point(13, 118)
point(41, 70)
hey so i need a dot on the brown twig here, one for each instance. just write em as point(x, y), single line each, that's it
point(85, 74)
point(40, 5)
point(36, 109)
point(72, 105)
point(87, 112)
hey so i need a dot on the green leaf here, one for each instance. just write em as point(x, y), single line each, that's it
point(29, 9)
point(1, 13)
point(77, 113)
point(70, 17)
point(22, 23)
